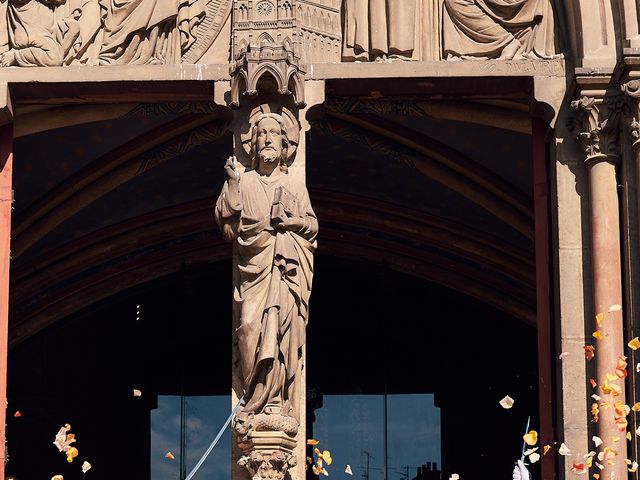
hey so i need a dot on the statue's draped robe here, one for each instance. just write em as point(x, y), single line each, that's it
point(379, 27)
point(148, 31)
point(32, 31)
point(483, 28)
point(272, 286)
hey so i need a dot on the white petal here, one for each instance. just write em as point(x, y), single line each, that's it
point(597, 441)
point(564, 450)
point(506, 403)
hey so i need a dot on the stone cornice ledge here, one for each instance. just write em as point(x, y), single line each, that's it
point(120, 73)
point(316, 71)
point(462, 68)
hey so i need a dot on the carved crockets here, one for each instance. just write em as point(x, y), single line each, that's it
point(266, 213)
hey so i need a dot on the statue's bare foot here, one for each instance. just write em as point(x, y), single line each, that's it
point(8, 59)
point(511, 50)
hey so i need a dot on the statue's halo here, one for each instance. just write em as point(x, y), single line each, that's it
point(292, 128)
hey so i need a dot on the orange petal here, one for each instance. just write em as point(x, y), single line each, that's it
point(18, 414)
point(593, 383)
point(546, 449)
point(589, 352)
point(311, 441)
point(169, 455)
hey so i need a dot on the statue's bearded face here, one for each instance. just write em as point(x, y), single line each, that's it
point(269, 140)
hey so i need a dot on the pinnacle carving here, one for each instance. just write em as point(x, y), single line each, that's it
point(632, 91)
point(596, 124)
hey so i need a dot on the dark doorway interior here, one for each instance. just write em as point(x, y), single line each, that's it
point(378, 341)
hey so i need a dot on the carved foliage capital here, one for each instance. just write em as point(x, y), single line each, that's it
point(268, 466)
point(595, 122)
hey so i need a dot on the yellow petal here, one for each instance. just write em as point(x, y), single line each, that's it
point(599, 319)
point(597, 335)
point(326, 456)
point(634, 344)
point(72, 453)
point(311, 441)
point(629, 436)
point(531, 438)
point(546, 449)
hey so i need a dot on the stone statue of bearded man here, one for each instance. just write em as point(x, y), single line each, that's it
point(268, 217)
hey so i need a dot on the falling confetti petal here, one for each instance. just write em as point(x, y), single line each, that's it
point(628, 436)
point(564, 450)
point(530, 451)
point(507, 402)
point(546, 449)
point(534, 457)
point(615, 308)
point(86, 466)
point(599, 318)
point(64, 439)
point(57, 477)
point(597, 335)
point(72, 453)
point(311, 441)
point(593, 383)
point(562, 355)
point(530, 438)
point(634, 344)
point(634, 467)
point(589, 352)
point(347, 470)
point(18, 414)
point(137, 393)
point(169, 455)
point(597, 441)
point(596, 397)
point(454, 476)
point(579, 468)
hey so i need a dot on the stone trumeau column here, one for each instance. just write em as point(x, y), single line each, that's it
point(597, 125)
point(6, 201)
point(264, 210)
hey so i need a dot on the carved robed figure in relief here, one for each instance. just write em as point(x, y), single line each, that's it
point(376, 30)
point(267, 215)
point(505, 29)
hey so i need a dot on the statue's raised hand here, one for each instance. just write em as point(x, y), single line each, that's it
point(231, 167)
point(520, 472)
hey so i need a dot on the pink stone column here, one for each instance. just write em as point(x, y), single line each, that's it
point(543, 295)
point(6, 197)
point(600, 134)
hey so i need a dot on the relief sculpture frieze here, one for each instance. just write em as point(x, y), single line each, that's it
point(45, 33)
point(48, 33)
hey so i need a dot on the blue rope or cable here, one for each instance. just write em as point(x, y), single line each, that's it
point(215, 440)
